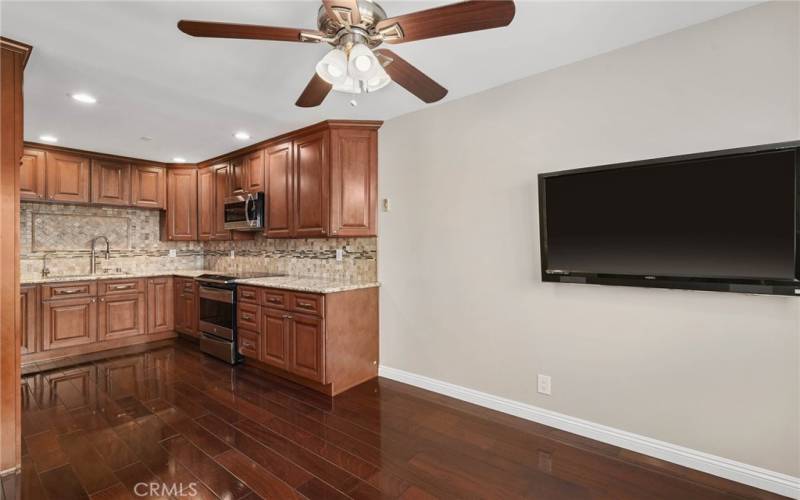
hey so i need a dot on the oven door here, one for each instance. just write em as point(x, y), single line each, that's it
point(216, 312)
point(245, 212)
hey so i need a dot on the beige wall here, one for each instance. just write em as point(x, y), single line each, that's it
point(462, 299)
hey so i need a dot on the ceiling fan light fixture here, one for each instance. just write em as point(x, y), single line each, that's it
point(363, 63)
point(380, 80)
point(333, 67)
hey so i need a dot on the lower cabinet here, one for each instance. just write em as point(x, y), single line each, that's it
point(121, 316)
point(160, 303)
point(29, 315)
point(186, 306)
point(69, 322)
point(326, 341)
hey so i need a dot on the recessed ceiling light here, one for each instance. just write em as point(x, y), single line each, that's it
point(242, 136)
point(178, 159)
point(146, 138)
point(84, 98)
point(48, 138)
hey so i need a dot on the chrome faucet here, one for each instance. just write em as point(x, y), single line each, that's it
point(45, 269)
point(93, 263)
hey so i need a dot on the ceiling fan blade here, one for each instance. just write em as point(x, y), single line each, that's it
point(246, 31)
point(450, 19)
point(344, 12)
point(314, 93)
point(410, 78)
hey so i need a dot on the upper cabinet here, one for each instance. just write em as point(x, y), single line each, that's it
point(32, 175)
point(254, 171)
point(323, 183)
point(149, 186)
point(221, 185)
point(237, 177)
point(205, 203)
point(67, 177)
point(111, 182)
point(180, 221)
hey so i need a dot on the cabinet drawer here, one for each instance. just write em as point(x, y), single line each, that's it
point(184, 285)
point(248, 294)
point(249, 344)
point(120, 287)
point(69, 290)
point(306, 303)
point(249, 316)
point(275, 298)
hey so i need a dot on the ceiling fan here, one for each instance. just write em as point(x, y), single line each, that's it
point(355, 28)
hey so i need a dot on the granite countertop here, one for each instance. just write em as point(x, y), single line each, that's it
point(304, 284)
point(296, 283)
point(183, 273)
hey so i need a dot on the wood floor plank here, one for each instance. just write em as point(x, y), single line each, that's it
point(258, 479)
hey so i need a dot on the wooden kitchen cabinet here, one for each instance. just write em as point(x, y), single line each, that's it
point(67, 177)
point(278, 207)
point(254, 171)
point(180, 221)
point(323, 182)
point(111, 182)
point(220, 193)
point(205, 203)
point(311, 186)
point(237, 177)
point(69, 322)
point(275, 331)
point(307, 337)
point(120, 316)
point(32, 175)
point(29, 316)
point(328, 342)
point(186, 306)
point(160, 305)
point(148, 186)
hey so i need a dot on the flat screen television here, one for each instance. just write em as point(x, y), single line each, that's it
point(724, 220)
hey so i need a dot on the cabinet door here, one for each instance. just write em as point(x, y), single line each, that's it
point(279, 212)
point(254, 171)
point(32, 175)
point(248, 344)
point(181, 216)
point(185, 307)
point(69, 322)
point(29, 328)
point(275, 337)
point(111, 182)
point(220, 193)
point(307, 337)
point(149, 186)
point(160, 305)
point(237, 176)
point(67, 177)
point(121, 316)
point(311, 186)
point(123, 377)
point(354, 182)
point(205, 202)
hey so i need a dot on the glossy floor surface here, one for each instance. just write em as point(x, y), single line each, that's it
point(172, 423)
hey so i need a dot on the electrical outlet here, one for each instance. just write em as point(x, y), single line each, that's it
point(544, 384)
point(339, 254)
point(173, 252)
point(233, 254)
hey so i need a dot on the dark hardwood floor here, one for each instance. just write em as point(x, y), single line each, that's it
point(171, 423)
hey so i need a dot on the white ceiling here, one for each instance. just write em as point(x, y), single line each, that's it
point(191, 94)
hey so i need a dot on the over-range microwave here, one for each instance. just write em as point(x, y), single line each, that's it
point(245, 212)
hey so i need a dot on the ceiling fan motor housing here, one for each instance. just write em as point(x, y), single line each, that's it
point(363, 32)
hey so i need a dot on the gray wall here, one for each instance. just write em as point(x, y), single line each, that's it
point(462, 300)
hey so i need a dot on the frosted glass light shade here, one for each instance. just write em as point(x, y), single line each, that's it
point(362, 64)
point(333, 67)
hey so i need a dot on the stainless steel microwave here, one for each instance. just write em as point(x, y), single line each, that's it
point(245, 212)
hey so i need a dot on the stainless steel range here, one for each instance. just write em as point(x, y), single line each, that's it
point(217, 310)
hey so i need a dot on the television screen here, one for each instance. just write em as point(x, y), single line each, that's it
point(725, 217)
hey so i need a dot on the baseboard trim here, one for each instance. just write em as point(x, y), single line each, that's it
point(757, 477)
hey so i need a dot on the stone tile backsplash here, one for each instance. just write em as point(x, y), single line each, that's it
point(63, 233)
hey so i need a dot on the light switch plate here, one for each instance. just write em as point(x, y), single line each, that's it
point(543, 385)
point(339, 254)
point(387, 205)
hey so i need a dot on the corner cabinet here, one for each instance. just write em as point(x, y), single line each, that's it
point(324, 182)
point(180, 221)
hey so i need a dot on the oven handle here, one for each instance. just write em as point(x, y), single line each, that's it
point(225, 296)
